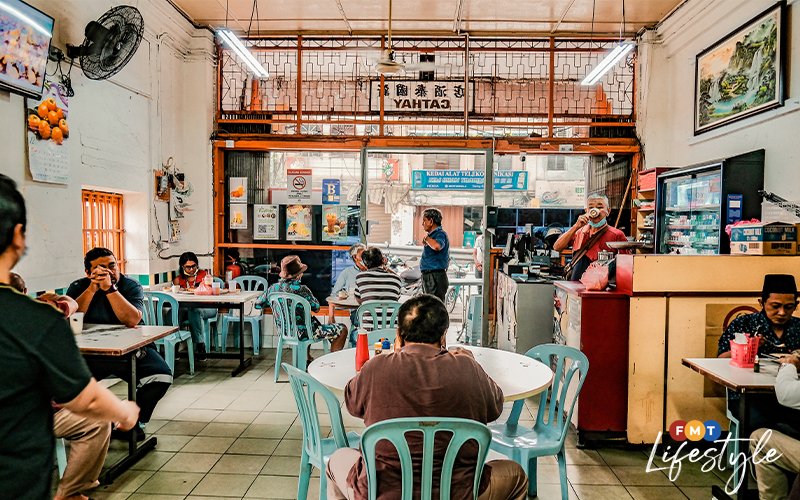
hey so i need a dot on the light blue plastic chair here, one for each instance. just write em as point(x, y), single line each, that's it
point(382, 312)
point(395, 430)
point(383, 333)
point(155, 304)
point(317, 449)
point(284, 312)
point(249, 284)
point(547, 437)
point(61, 457)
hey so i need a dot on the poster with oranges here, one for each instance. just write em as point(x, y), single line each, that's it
point(238, 189)
point(48, 135)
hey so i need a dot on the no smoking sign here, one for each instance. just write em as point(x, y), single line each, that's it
point(299, 184)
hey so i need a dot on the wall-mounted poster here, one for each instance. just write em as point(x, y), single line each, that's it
point(48, 136)
point(238, 189)
point(238, 216)
point(742, 74)
point(298, 223)
point(265, 222)
point(334, 222)
point(298, 187)
point(331, 191)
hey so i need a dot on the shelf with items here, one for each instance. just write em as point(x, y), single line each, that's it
point(646, 204)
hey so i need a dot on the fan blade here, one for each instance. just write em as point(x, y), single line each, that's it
point(425, 66)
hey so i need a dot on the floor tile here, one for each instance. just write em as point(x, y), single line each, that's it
point(657, 493)
point(232, 485)
point(171, 483)
point(254, 446)
point(109, 495)
point(235, 416)
point(197, 415)
point(240, 464)
point(276, 418)
point(289, 448)
point(591, 474)
point(152, 496)
point(274, 487)
point(171, 443)
point(282, 466)
point(202, 444)
point(214, 402)
point(251, 402)
point(222, 429)
point(696, 492)
point(601, 492)
point(635, 475)
point(192, 462)
point(129, 481)
point(153, 460)
point(553, 492)
point(583, 457)
point(614, 456)
point(265, 431)
point(547, 474)
point(181, 428)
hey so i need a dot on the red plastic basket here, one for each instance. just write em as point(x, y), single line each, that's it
point(744, 355)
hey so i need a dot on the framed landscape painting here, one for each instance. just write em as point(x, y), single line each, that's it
point(742, 74)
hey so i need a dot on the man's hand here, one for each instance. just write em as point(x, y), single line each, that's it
point(792, 359)
point(66, 304)
point(460, 351)
point(130, 416)
point(583, 219)
point(101, 278)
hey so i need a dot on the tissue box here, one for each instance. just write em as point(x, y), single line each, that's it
point(776, 238)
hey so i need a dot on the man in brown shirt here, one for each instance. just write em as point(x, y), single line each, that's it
point(423, 379)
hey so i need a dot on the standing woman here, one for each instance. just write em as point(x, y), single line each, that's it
point(189, 277)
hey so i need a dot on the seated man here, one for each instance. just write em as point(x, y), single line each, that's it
point(376, 282)
point(88, 438)
point(189, 277)
point(422, 379)
point(106, 296)
point(773, 479)
point(291, 272)
point(347, 278)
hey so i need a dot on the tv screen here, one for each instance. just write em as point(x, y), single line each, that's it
point(25, 35)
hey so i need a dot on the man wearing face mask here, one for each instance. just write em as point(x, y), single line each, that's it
point(589, 235)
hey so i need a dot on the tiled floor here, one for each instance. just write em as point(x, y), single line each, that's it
point(223, 437)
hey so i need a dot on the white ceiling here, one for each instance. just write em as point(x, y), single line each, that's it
point(517, 17)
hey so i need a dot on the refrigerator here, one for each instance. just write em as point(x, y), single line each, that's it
point(694, 204)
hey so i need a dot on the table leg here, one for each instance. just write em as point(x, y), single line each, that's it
point(243, 363)
point(744, 447)
point(135, 452)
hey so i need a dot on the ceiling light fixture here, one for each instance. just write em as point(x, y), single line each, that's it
point(608, 62)
point(236, 45)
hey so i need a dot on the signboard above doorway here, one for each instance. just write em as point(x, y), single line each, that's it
point(468, 180)
point(419, 96)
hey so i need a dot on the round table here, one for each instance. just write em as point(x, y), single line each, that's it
point(518, 376)
point(347, 303)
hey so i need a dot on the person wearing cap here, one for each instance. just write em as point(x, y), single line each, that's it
point(292, 270)
point(779, 330)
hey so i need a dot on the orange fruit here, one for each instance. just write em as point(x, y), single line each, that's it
point(44, 129)
point(33, 122)
point(51, 104)
point(62, 124)
point(42, 110)
point(57, 135)
point(52, 117)
point(60, 113)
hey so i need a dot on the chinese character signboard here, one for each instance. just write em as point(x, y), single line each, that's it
point(468, 180)
point(421, 96)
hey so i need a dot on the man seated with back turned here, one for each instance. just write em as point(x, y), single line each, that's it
point(106, 296)
point(423, 379)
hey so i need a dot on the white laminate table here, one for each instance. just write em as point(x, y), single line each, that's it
point(120, 342)
point(230, 300)
point(518, 376)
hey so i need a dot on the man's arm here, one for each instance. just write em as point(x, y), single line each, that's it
point(341, 281)
point(434, 243)
point(98, 403)
point(353, 401)
point(787, 385)
point(565, 239)
point(126, 312)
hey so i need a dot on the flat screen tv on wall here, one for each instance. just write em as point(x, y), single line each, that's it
point(25, 34)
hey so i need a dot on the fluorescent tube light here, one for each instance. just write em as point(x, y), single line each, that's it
point(236, 45)
point(607, 63)
point(25, 19)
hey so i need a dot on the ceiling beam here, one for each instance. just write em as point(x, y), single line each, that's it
point(344, 16)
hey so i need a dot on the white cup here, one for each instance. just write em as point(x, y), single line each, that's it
point(76, 322)
point(215, 287)
point(176, 288)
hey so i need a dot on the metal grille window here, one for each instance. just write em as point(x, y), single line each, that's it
point(103, 224)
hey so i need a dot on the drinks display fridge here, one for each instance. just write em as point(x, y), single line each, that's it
point(694, 204)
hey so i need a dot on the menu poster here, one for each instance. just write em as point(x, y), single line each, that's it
point(238, 189)
point(48, 136)
point(298, 222)
point(334, 222)
point(265, 222)
point(238, 216)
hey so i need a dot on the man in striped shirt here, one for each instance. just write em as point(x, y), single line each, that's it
point(377, 282)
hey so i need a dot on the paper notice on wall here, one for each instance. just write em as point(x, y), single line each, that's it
point(265, 222)
point(334, 220)
point(567, 194)
point(238, 216)
point(298, 223)
point(48, 136)
point(331, 191)
point(298, 187)
point(238, 189)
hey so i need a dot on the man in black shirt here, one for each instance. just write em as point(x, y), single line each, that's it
point(106, 296)
point(39, 362)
